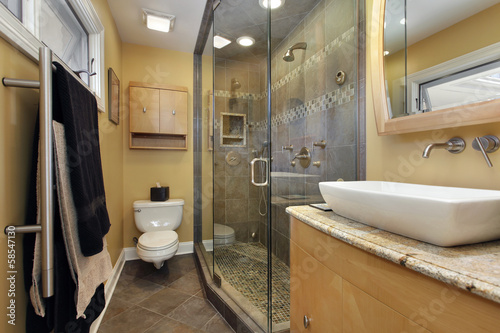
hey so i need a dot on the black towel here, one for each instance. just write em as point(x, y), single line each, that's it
point(60, 309)
point(76, 108)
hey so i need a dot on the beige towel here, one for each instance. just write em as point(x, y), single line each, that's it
point(87, 272)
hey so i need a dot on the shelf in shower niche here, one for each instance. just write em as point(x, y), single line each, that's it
point(233, 130)
point(293, 196)
point(233, 137)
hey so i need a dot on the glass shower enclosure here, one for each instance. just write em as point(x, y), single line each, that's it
point(281, 116)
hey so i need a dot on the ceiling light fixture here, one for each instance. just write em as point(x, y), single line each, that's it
point(245, 41)
point(273, 3)
point(158, 21)
point(220, 42)
point(386, 53)
point(403, 21)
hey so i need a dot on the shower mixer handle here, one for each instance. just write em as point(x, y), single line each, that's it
point(252, 167)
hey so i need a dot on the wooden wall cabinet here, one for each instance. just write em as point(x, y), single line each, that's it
point(158, 116)
point(341, 288)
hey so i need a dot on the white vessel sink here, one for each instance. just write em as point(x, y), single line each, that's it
point(444, 216)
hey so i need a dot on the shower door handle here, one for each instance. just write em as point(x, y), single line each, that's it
point(252, 167)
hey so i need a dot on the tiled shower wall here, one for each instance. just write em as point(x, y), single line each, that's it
point(236, 201)
point(309, 106)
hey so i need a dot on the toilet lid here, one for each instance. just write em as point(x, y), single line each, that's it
point(156, 240)
point(222, 231)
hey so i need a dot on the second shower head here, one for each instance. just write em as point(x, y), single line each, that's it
point(289, 57)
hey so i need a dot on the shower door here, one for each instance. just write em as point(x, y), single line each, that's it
point(282, 124)
point(241, 157)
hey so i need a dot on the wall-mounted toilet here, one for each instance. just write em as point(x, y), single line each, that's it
point(158, 220)
point(223, 235)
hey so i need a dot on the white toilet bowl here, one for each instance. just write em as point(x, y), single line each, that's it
point(223, 235)
point(157, 246)
point(158, 220)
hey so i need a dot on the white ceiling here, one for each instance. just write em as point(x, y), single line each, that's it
point(188, 14)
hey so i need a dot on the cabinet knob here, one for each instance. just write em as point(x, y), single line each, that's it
point(173, 112)
point(307, 321)
point(144, 110)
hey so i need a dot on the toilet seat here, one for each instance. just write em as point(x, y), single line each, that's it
point(223, 231)
point(223, 235)
point(158, 240)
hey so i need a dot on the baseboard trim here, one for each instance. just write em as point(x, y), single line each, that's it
point(109, 289)
point(130, 253)
point(184, 248)
point(209, 245)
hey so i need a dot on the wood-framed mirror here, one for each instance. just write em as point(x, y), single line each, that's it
point(417, 115)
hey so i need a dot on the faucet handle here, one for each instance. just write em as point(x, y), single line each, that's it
point(486, 144)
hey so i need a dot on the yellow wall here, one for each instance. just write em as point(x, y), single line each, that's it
point(459, 39)
point(18, 109)
point(207, 163)
point(398, 157)
point(395, 71)
point(143, 168)
point(111, 135)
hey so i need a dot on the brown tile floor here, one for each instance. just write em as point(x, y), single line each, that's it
point(166, 300)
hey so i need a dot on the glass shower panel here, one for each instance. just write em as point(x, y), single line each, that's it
point(314, 118)
point(302, 118)
point(207, 139)
point(241, 155)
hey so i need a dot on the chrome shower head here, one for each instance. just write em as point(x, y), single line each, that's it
point(235, 84)
point(288, 57)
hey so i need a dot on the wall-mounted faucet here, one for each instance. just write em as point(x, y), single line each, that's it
point(454, 146)
point(486, 144)
point(304, 156)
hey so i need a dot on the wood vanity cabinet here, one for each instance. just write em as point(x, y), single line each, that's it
point(158, 116)
point(341, 288)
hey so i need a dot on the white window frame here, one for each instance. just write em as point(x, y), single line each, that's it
point(25, 38)
point(473, 59)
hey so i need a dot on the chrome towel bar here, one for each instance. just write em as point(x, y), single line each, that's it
point(46, 200)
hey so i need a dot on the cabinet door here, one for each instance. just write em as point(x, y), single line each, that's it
point(365, 314)
point(315, 292)
point(173, 112)
point(144, 110)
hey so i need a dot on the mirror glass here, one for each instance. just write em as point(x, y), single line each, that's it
point(440, 54)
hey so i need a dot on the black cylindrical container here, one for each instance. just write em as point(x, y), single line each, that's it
point(159, 193)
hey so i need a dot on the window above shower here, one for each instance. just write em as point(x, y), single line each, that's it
point(71, 28)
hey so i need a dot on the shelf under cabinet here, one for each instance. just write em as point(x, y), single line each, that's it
point(158, 141)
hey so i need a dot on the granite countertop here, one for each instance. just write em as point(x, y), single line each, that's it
point(475, 268)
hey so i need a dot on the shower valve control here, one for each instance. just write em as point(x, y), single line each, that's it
point(340, 77)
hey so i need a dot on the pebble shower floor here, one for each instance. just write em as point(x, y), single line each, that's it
point(244, 267)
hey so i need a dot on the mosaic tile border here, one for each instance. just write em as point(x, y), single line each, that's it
point(336, 97)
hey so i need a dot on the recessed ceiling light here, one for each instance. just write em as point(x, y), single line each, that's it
point(403, 21)
point(158, 21)
point(220, 42)
point(245, 41)
point(386, 53)
point(273, 3)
